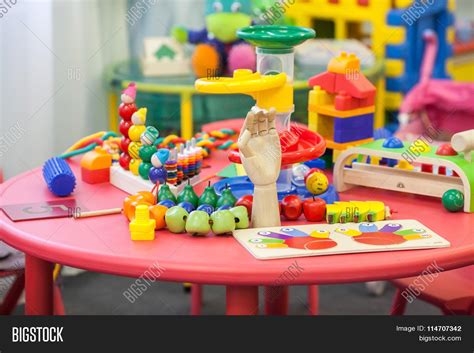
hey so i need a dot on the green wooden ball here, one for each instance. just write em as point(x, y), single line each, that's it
point(453, 200)
point(146, 152)
point(144, 170)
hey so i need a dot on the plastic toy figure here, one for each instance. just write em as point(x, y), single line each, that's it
point(218, 49)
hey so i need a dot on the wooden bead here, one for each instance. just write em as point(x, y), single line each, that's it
point(135, 132)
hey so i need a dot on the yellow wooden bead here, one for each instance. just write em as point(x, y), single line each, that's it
point(134, 165)
point(133, 149)
point(135, 132)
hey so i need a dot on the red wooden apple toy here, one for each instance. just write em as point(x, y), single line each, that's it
point(314, 209)
point(246, 201)
point(292, 207)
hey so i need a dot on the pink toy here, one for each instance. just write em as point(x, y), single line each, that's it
point(443, 104)
point(129, 94)
point(242, 56)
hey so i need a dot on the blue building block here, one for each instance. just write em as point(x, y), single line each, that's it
point(359, 127)
point(416, 19)
point(343, 136)
point(59, 177)
point(355, 122)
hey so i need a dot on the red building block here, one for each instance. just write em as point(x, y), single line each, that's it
point(358, 86)
point(326, 80)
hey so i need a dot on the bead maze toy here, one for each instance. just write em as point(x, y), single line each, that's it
point(396, 29)
point(272, 87)
point(147, 159)
point(342, 104)
point(413, 170)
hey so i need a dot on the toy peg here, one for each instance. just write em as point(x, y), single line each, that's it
point(403, 164)
point(142, 227)
point(464, 142)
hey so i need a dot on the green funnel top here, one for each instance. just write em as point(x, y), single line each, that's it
point(275, 37)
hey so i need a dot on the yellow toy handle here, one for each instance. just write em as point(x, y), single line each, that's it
point(268, 90)
point(243, 81)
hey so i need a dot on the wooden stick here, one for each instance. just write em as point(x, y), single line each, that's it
point(98, 213)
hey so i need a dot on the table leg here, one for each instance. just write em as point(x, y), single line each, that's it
point(276, 300)
point(196, 299)
point(242, 300)
point(313, 299)
point(186, 115)
point(399, 304)
point(39, 286)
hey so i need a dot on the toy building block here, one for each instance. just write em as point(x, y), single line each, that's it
point(164, 56)
point(325, 80)
point(344, 63)
point(95, 166)
point(142, 227)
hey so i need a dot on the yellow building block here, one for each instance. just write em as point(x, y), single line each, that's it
point(330, 111)
point(318, 96)
point(395, 35)
point(142, 227)
point(344, 63)
point(401, 4)
point(394, 67)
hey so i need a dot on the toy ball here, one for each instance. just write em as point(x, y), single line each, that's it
point(207, 208)
point(453, 200)
point(126, 111)
point(124, 143)
point(242, 56)
point(205, 61)
point(139, 117)
point(124, 127)
point(134, 149)
point(134, 166)
point(316, 182)
point(160, 157)
point(167, 203)
point(150, 135)
point(124, 160)
point(299, 172)
point(188, 206)
point(144, 169)
point(146, 152)
point(135, 132)
point(224, 207)
point(392, 142)
point(157, 175)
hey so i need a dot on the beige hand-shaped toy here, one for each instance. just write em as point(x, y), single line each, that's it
point(260, 153)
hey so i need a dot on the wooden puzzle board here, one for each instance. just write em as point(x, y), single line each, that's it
point(328, 239)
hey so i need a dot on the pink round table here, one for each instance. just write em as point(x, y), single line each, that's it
point(103, 245)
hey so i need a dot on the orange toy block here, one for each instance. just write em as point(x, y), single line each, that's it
point(344, 64)
point(95, 166)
